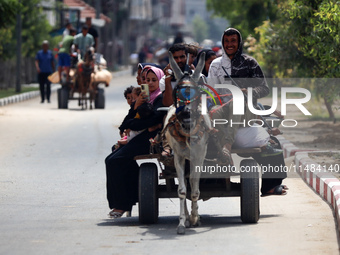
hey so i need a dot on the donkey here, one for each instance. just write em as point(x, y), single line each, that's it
point(84, 79)
point(187, 131)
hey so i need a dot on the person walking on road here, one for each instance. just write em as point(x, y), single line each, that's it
point(44, 63)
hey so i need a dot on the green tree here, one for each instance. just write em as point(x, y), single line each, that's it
point(319, 39)
point(200, 29)
point(304, 42)
point(8, 10)
point(35, 29)
point(244, 15)
point(294, 38)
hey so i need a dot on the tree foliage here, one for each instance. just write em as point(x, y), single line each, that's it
point(244, 15)
point(295, 38)
point(318, 39)
point(302, 35)
point(35, 29)
point(8, 11)
point(319, 34)
point(304, 42)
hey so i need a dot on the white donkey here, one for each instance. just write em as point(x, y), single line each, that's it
point(187, 131)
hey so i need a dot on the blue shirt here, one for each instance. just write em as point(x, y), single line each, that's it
point(45, 61)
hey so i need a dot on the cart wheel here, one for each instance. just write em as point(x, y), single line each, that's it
point(250, 196)
point(148, 197)
point(63, 94)
point(58, 93)
point(99, 102)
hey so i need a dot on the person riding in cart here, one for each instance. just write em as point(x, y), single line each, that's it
point(236, 67)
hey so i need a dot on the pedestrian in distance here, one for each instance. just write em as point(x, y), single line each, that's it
point(44, 63)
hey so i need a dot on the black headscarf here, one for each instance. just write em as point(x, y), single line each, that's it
point(208, 54)
point(142, 65)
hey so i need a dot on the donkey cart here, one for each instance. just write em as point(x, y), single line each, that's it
point(85, 78)
point(67, 92)
point(211, 185)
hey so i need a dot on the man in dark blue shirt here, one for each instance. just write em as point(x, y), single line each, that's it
point(44, 63)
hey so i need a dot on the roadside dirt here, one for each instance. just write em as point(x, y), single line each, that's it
point(329, 161)
point(315, 135)
point(321, 135)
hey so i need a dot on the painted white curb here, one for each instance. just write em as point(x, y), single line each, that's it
point(320, 180)
point(25, 96)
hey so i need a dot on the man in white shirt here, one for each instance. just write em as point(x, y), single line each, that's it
point(66, 32)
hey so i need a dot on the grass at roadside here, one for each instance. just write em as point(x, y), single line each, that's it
point(11, 91)
point(319, 111)
point(316, 107)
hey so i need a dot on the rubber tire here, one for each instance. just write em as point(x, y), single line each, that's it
point(148, 194)
point(63, 94)
point(250, 193)
point(99, 102)
point(58, 95)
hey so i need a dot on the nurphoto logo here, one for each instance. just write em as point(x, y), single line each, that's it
point(239, 104)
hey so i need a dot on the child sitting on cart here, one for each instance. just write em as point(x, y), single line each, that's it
point(143, 112)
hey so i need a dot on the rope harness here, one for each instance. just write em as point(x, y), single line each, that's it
point(183, 137)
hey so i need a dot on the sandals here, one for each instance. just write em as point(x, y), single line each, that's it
point(279, 190)
point(226, 157)
point(115, 215)
point(284, 187)
point(166, 152)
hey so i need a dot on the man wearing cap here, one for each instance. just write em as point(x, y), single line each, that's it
point(44, 63)
point(83, 41)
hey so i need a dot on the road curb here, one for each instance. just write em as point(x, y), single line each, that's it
point(25, 96)
point(54, 87)
point(321, 181)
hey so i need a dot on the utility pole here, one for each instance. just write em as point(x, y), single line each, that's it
point(114, 37)
point(18, 67)
point(98, 11)
point(125, 34)
point(61, 13)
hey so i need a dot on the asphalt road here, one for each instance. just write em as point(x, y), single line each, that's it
point(53, 201)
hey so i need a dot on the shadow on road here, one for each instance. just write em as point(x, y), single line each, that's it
point(166, 226)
